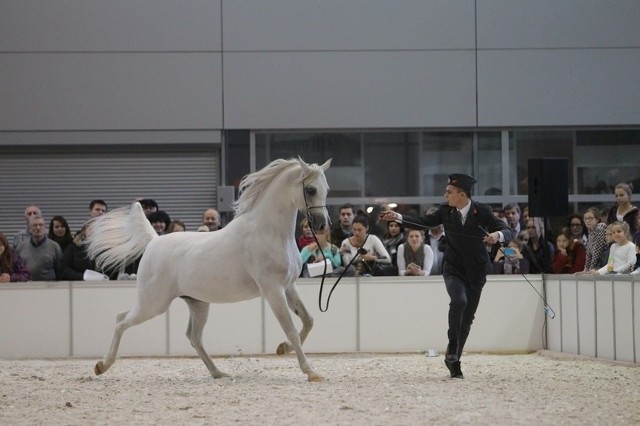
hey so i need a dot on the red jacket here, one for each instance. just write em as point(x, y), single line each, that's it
point(570, 263)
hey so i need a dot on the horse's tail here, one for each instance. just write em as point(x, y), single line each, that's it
point(119, 237)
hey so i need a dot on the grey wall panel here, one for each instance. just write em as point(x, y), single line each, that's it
point(348, 24)
point(349, 89)
point(553, 23)
point(558, 87)
point(183, 179)
point(133, 137)
point(110, 91)
point(114, 25)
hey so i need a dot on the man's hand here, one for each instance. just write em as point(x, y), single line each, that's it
point(492, 238)
point(389, 216)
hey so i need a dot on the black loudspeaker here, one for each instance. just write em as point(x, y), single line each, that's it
point(548, 187)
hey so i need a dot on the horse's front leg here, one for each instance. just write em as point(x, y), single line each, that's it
point(296, 305)
point(278, 303)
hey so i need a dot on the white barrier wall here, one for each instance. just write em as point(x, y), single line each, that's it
point(597, 316)
point(394, 314)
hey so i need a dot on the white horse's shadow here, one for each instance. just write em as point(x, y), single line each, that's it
point(254, 255)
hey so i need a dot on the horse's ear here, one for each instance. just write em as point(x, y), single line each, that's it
point(306, 170)
point(326, 165)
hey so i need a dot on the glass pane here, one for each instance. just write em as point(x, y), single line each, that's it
point(489, 173)
point(524, 145)
point(391, 164)
point(604, 159)
point(345, 177)
point(444, 153)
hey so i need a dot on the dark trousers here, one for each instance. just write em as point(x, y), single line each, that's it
point(465, 297)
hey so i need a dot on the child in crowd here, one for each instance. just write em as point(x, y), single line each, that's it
point(510, 259)
point(570, 255)
point(622, 256)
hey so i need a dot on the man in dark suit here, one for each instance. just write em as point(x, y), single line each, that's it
point(469, 226)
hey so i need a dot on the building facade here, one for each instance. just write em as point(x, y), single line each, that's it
point(172, 99)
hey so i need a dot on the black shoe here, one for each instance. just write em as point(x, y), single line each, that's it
point(452, 363)
point(456, 372)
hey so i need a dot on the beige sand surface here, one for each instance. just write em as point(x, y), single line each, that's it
point(359, 389)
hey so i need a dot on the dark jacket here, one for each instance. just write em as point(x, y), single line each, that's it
point(465, 252)
point(75, 261)
point(631, 217)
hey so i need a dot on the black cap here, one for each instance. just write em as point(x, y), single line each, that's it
point(464, 182)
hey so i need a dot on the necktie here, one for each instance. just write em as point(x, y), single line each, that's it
point(459, 216)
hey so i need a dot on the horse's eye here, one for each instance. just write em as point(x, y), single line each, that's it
point(311, 190)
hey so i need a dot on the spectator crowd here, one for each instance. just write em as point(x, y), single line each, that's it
point(38, 253)
point(591, 242)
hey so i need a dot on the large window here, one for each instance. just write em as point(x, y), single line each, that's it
point(411, 167)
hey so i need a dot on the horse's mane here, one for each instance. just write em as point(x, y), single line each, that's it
point(253, 186)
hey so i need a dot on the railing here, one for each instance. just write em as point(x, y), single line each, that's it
point(599, 316)
point(595, 316)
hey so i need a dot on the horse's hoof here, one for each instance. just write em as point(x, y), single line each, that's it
point(313, 377)
point(282, 348)
point(220, 375)
point(99, 368)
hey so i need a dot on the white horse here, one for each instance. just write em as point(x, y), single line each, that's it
point(254, 255)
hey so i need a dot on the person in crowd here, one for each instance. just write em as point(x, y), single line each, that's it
point(160, 221)
point(148, 206)
point(312, 253)
point(375, 251)
point(512, 214)
point(596, 243)
point(176, 225)
point(608, 238)
point(523, 237)
point(622, 258)
point(538, 250)
point(570, 254)
point(437, 240)
point(469, 226)
point(342, 228)
point(25, 235)
point(60, 232)
point(636, 235)
point(12, 267)
point(203, 228)
point(211, 219)
point(623, 210)
point(97, 208)
point(636, 268)
point(510, 259)
point(392, 239)
point(414, 256)
point(578, 229)
point(42, 256)
point(306, 236)
point(499, 213)
point(525, 214)
point(75, 261)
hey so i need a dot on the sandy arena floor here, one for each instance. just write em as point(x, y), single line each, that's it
point(359, 389)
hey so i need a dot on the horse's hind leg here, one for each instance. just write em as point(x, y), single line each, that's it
point(124, 320)
point(278, 304)
point(296, 305)
point(199, 312)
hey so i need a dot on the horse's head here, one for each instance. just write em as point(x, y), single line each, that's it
point(313, 193)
